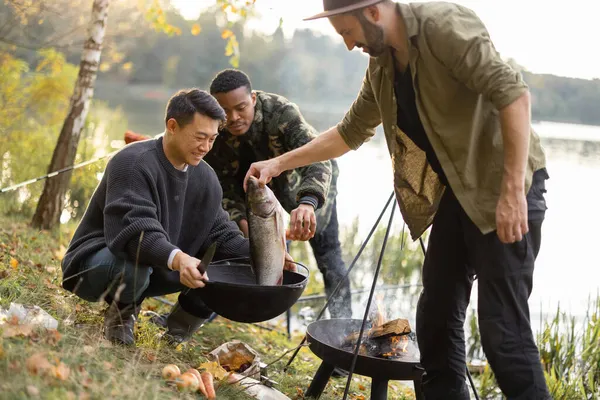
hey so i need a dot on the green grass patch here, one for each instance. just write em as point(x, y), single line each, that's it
point(86, 366)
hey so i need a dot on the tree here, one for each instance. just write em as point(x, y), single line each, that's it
point(51, 202)
point(50, 205)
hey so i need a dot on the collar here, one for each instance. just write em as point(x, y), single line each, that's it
point(412, 30)
point(412, 25)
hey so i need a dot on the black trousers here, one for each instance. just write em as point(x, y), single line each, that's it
point(457, 252)
point(328, 254)
point(327, 250)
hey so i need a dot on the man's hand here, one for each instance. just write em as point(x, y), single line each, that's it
point(264, 171)
point(289, 264)
point(511, 214)
point(243, 224)
point(303, 223)
point(189, 275)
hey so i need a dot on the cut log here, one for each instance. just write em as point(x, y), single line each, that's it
point(395, 327)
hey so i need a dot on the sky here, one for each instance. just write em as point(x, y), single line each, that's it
point(545, 37)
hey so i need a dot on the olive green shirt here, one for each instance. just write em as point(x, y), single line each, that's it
point(460, 84)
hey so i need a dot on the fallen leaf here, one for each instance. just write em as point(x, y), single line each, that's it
point(87, 349)
point(53, 337)
point(34, 337)
point(38, 364)
point(107, 365)
point(361, 387)
point(49, 284)
point(214, 368)
point(50, 270)
point(60, 252)
point(13, 330)
point(61, 371)
point(87, 382)
point(151, 357)
point(3, 274)
point(14, 263)
point(32, 391)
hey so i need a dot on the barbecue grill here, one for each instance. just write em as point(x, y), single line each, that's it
point(325, 341)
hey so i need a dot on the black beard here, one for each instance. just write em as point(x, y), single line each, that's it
point(373, 37)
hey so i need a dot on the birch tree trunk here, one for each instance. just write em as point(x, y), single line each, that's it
point(51, 202)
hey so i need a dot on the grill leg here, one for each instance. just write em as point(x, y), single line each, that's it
point(418, 392)
point(317, 386)
point(379, 389)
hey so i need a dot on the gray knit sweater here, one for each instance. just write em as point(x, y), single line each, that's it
point(141, 191)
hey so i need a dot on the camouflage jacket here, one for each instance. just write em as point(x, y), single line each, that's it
point(278, 127)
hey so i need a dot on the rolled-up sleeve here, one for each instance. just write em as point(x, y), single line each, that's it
point(460, 41)
point(360, 121)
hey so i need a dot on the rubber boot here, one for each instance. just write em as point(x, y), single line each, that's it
point(119, 321)
point(181, 325)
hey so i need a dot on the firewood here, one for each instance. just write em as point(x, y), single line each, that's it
point(395, 327)
point(351, 339)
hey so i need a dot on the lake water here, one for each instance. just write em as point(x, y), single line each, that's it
point(567, 269)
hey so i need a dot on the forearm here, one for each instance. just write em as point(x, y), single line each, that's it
point(324, 147)
point(515, 122)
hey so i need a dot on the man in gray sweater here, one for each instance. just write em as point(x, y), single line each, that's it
point(153, 215)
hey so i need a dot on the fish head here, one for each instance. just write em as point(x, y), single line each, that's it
point(260, 198)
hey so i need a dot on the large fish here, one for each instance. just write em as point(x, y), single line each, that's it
point(266, 230)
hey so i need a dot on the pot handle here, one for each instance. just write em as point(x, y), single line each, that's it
point(304, 267)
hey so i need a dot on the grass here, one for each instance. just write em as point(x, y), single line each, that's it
point(569, 352)
point(88, 367)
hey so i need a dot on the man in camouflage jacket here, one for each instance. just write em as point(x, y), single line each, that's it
point(262, 126)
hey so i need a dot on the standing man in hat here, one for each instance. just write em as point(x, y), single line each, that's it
point(456, 119)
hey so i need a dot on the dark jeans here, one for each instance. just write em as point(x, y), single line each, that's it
point(328, 254)
point(457, 252)
point(106, 273)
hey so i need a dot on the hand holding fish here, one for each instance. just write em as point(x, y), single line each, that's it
point(289, 264)
point(264, 171)
point(303, 223)
point(189, 275)
point(243, 225)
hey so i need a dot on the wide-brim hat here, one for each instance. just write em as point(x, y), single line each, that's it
point(336, 7)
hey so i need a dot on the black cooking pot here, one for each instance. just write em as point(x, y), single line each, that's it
point(232, 292)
